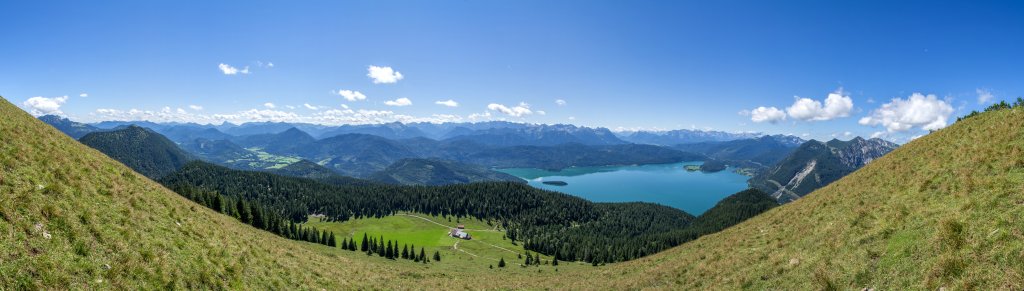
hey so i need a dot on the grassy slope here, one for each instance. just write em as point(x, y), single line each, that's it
point(943, 210)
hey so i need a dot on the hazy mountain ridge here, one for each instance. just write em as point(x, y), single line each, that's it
point(74, 129)
point(682, 136)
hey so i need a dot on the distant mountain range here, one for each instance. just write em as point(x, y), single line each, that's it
point(682, 136)
point(816, 164)
point(435, 154)
point(498, 133)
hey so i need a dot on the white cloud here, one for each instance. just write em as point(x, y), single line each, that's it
point(398, 102)
point(269, 105)
point(344, 106)
point(560, 102)
point(766, 114)
point(42, 106)
point(572, 117)
point(541, 112)
point(290, 106)
point(195, 107)
point(918, 110)
point(383, 75)
point(984, 96)
point(310, 107)
point(229, 70)
point(83, 95)
point(351, 95)
point(836, 105)
point(449, 103)
point(181, 111)
point(478, 116)
point(517, 111)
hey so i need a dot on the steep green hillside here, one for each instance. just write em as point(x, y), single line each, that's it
point(437, 172)
point(944, 210)
point(147, 152)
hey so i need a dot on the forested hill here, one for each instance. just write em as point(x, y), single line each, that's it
point(554, 223)
point(146, 152)
point(437, 172)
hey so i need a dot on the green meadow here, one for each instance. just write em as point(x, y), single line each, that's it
point(487, 246)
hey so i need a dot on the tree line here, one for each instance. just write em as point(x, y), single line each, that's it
point(555, 224)
point(256, 215)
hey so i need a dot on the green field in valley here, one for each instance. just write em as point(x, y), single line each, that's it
point(487, 246)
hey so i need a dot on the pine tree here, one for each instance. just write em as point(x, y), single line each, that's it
point(244, 213)
point(405, 252)
point(331, 241)
point(529, 259)
point(501, 263)
point(554, 262)
point(366, 243)
point(388, 253)
point(437, 256)
point(423, 256)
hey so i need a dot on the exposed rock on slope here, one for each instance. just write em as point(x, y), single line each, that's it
point(816, 164)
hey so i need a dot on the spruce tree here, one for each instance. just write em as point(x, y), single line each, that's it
point(501, 263)
point(331, 241)
point(554, 262)
point(423, 256)
point(388, 253)
point(244, 213)
point(437, 256)
point(366, 243)
point(405, 252)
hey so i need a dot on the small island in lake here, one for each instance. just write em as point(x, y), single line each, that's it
point(692, 168)
point(556, 183)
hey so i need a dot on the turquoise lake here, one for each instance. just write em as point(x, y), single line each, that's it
point(666, 184)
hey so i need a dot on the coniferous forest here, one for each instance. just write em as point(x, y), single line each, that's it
point(563, 226)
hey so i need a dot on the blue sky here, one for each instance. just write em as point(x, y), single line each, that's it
point(623, 64)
